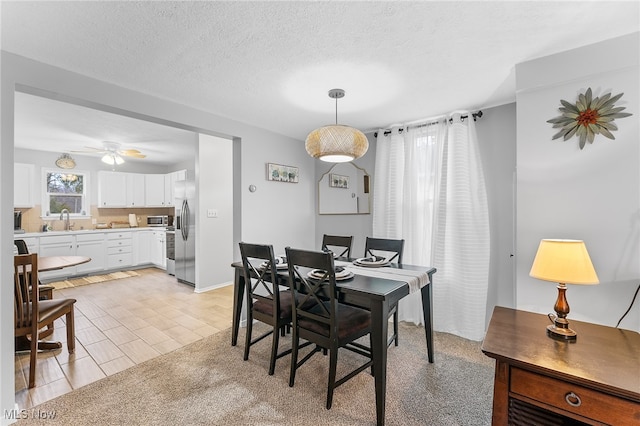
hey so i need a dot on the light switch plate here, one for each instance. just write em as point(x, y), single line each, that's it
point(212, 213)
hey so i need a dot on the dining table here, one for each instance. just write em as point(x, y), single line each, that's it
point(378, 291)
point(50, 263)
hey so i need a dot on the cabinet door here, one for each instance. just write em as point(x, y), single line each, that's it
point(135, 190)
point(23, 180)
point(93, 246)
point(57, 246)
point(112, 189)
point(169, 180)
point(142, 243)
point(154, 190)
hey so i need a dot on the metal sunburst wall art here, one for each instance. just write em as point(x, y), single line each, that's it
point(588, 117)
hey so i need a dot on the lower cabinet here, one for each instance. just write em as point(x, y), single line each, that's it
point(158, 249)
point(58, 245)
point(119, 250)
point(91, 245)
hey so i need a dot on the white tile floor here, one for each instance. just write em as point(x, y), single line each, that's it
point(119, 324)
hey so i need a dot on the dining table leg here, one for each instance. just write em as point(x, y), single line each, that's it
point(238, 296)
point(427, 312)
point(379, 330)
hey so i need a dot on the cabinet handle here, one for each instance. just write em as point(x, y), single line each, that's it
point(573, 399)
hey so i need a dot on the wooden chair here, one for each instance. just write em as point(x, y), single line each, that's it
point(326, 323)
point(265, 301)
point(31, 313)
point(387, 247)
point(342, 243)
point(46, 291)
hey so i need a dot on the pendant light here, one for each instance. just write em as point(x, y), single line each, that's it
point(336, 143)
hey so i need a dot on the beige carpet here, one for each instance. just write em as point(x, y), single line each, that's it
point(208, 383)
point(76, 282)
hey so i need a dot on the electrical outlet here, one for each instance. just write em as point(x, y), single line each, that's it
point(94, 221)
point(212, 213)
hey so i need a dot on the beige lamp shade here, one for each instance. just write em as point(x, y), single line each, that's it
point(563, 261)
point(337, 143)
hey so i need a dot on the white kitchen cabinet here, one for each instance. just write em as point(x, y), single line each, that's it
point(112, 189)
point(154, 190)
point(23, 182)
point(142, 243)
point(57, 245)
point(135, 190)
point(91, 245)
point(158, 249)
point(169, 180)
point(119, 250)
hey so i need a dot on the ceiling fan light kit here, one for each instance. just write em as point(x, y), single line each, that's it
point(113, 154)
point(112, 158)
point(336, 143)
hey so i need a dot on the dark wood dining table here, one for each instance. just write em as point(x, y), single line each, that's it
point(51, 263)
point(377, 295)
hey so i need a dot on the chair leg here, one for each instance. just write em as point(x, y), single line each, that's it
point(71, 333)
point(247, 342)
point(32, 360)
point(395, 325)
point(333, 364)
point(295, 341)
point(274, 350)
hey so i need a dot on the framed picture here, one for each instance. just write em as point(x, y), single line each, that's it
point(281, 173)
point(338, 181)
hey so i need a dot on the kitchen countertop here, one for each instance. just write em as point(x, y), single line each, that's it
point(86, 231)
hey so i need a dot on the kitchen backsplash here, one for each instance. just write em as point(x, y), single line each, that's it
point(32, 222)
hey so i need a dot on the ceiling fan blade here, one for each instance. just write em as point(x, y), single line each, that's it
point(131, 153)
point(92, 150)
point(136, 155)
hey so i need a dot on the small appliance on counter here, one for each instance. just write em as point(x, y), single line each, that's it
point(160, 221)
point(17, 222)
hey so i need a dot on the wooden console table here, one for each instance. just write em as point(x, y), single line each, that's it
point(542, 381)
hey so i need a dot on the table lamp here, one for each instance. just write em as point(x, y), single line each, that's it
point(564, 262)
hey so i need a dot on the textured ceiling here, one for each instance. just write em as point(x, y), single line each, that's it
point(271, 64)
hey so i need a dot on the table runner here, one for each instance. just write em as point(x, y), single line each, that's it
point(415, 279)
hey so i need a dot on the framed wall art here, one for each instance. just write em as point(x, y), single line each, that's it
point(281, 173)
point(338, 181)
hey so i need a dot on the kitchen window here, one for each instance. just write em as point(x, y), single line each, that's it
point(65, 190)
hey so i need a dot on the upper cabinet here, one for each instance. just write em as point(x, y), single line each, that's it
point(344, 189)
point(23, 180)
point(112, 188)
point(119, 189)
point(154, 191)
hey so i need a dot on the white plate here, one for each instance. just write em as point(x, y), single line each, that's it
point(369, 263)
point(317, 274)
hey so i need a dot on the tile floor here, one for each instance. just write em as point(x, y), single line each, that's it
point(119, 324)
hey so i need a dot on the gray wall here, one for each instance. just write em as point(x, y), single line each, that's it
point(497, 139)
point(591, 194)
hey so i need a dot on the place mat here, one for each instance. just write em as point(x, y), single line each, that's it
point(372, 262)
point(415, 279)
point(341, 274)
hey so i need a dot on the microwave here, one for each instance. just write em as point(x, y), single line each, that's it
point(160, 220)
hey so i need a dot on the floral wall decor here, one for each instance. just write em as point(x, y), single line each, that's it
point(588, 117)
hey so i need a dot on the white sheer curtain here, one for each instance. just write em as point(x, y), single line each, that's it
point(429, 189)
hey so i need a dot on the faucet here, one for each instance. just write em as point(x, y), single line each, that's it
point(66, 223)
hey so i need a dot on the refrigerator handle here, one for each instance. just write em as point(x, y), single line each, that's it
point(182, 224)
point(187, 220)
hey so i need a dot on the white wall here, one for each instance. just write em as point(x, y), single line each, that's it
point(591, 194)
point(214, 242)
point(278, 213)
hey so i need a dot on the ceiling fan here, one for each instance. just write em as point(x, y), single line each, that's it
point(112, 152)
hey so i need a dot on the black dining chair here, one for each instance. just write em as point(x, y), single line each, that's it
point(328, 324)
point(391, 249)
point(45, 291)
point(265, 301)
point(339, 242)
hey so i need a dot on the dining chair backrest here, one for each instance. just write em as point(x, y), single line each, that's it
point(342, 243)
point(21, 246)
point(321, 291)
point(392, 248)
point(25, 280)
point(260, 276)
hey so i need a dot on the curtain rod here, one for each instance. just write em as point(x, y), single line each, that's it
point(475, 116)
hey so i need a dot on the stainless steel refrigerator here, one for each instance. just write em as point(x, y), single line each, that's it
point(185, 240)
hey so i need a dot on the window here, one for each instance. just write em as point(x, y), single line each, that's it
point(65, 191)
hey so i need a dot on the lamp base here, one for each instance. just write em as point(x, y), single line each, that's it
point(561, 333)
